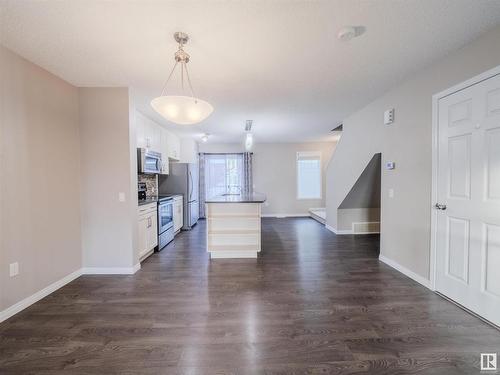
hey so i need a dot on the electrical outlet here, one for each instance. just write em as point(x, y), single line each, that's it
point(13, 269)
point(391, 193)
point(121, 197)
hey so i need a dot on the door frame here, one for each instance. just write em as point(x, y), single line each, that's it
point(435, 154)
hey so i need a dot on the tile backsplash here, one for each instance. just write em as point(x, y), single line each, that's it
point(151, 181)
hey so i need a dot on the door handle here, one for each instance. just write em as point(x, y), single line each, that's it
point(439, 206)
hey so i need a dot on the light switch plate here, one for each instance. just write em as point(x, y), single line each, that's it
point(13, 269)
point(391, 193)
point(121, 197)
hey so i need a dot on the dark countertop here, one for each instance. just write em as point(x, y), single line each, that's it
point(238, 198)
point(154, 199)
point(142, 202)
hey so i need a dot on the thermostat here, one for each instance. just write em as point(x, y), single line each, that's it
point(389, 116)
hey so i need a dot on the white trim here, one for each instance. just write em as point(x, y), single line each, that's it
point(337, 231)
point(111, 270)
point(435, 153)
point(320, 157)
point(228, 254)
point(28, 301)
point(405, 271)
point(285, 215)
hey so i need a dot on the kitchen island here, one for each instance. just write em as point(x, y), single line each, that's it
point(233, 225)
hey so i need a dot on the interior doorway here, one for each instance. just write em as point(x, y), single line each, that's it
point(466, 195)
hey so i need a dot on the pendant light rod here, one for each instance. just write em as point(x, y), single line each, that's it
point(181, 109)
point(181, 57)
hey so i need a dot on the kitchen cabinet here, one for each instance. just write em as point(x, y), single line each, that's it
point(164, 150)
point(147, 229)
point(171, 145)
point(153, 136)
point(148, 133)
point(189, 151)
point(178, 213)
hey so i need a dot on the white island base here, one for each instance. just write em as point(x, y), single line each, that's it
point(233, 229)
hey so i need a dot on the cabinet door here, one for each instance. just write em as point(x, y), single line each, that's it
point(153, 231)
point(177, 216)
point(164, 146)
point(140, 132)
point(153, 136)
point(181, 214)
point(142, 241)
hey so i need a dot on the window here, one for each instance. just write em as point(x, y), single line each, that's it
point(308, 175)
point(223, 174)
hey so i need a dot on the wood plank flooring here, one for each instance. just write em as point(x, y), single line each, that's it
point(312, 303)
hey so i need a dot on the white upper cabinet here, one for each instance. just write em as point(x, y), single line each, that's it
point(174, 146)
point(154, 137)
point(189, 150)
point(148, 133)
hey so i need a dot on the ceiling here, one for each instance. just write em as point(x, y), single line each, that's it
point(278, 63)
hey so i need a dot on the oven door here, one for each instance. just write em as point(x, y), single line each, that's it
point(165, 216)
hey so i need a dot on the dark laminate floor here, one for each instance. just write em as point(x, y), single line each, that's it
point(312, 303)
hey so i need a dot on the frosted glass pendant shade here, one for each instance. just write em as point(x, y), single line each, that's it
point(182, 110)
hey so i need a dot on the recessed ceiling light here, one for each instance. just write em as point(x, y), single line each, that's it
point(349, 32)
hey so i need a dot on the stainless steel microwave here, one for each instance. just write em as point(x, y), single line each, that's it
point(148, 161)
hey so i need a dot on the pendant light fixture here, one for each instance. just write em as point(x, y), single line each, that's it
point(181, 109)
point(249, 136)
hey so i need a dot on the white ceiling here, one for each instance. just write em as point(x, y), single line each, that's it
point(276, 62)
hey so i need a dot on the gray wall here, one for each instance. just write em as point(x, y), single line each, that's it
point(275, 173)
point(108, 226)
point(405, 219)
point(365, 192)
point(39, 178)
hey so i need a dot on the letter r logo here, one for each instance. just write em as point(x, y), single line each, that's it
point(488, 361)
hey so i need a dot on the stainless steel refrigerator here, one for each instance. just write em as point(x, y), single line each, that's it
point(183, 179)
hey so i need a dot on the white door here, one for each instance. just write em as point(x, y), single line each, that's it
point(468, 223)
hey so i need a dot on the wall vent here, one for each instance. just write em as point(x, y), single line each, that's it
point(364, 228)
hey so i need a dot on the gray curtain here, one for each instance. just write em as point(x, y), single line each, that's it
point(201, 189)
point(247, 172)
point(247, 180)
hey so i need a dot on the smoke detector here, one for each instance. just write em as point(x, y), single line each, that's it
point(349, 32)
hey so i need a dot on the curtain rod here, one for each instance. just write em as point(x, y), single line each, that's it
point(224, 153)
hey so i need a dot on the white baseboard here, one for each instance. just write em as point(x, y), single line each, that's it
point(285, 215)
point(28, 301)
point(337, 231)
point(111, 270)
point(405, 271)
point(228, 254)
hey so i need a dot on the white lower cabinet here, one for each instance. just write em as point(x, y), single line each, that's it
point(178, 213)
point(147, 229)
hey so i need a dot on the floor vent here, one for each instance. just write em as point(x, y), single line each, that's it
point(368, 227)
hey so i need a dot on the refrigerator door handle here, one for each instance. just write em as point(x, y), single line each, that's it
point(190, 186)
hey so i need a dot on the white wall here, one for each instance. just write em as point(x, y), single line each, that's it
point(108, 225)
point(275, 173)
point(405, 219)
point(39, 178)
